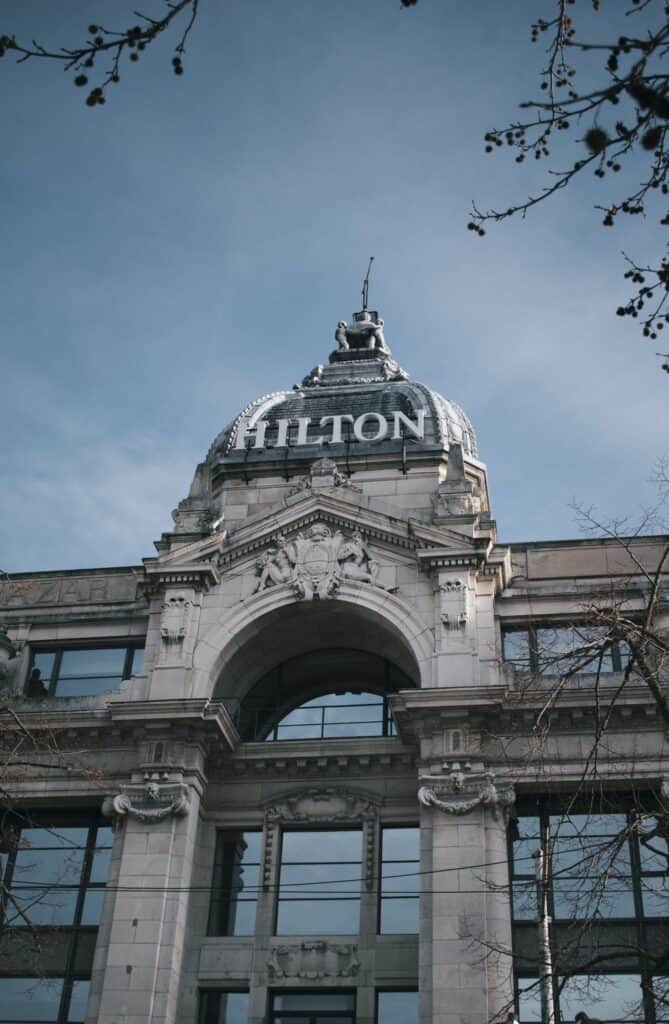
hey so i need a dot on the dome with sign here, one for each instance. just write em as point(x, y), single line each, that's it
point(345, 408)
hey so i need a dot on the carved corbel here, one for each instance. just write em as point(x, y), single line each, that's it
point(154, 800)
point(462, 792)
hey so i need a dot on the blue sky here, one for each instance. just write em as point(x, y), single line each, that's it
point(193, 243)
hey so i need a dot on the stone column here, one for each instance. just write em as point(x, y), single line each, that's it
point(465, 963)
point(137, 965)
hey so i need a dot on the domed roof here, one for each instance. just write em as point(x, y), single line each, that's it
point(361, 400)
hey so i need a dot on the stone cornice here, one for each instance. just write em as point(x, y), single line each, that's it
point(200, 575)
point(317, 759)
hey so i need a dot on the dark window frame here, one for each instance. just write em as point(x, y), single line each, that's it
point(210, 1015)
point(274, 1015)
point(383, 989)
point(310, 891)
point(58, 650)
point(222, 900)
point(380, 861)
point(545, 808)
point(534, 667)
point(92, 821)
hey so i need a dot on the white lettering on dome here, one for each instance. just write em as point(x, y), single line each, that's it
point(253, 436)
point(382, 429)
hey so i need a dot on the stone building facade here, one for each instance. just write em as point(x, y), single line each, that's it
point(300, 764)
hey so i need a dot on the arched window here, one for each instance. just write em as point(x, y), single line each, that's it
point(323, 694)
point(334, 715)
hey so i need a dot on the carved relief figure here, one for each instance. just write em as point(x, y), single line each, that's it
point(355, 561)
point(316, 562)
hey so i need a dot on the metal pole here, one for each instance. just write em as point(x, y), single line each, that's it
point(546, 980)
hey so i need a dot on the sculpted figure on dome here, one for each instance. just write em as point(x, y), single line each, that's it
point(366, 332)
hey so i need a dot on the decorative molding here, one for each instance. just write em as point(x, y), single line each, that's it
point(323, 473)
point(462, 791)
point(312, 960)
point(454, 604)
point(327, 806)
point(322, 804)
point(175, 618)
point(315, 562)
point(155, 800)
point(197, 575)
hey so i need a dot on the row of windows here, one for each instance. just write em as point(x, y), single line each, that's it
point(82, 671)
point(606, 894)
point(320, 880)
point(53, 872)
point(556, 650)
point(392, 1007)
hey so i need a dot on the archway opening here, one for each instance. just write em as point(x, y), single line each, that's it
point(317, 671)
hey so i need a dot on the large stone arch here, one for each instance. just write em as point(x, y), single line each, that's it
point(273, 626)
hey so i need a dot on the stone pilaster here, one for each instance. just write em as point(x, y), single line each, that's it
point(138, 961)
point(465, 930)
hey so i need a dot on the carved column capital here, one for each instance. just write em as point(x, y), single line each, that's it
point(155, 799)
point(461, 792)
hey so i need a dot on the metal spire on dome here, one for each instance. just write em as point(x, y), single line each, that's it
point(365, 284)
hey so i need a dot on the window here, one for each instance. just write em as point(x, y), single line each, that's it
point(555, 650)
point(397, 1007)
point(607, 891)
point(53, 873)
point(400, 866)
point(42, 1000)
point(235, 885)
point(220, 1007)
point(334, 715)
point(319, 883)
point(81, 671)
point(313, 1008)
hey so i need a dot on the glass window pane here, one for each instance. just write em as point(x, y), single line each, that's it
point(233, 1008)
point(241, 917)
point(87, 686)
point(529, 1000)
point(401, 844)
point(78, 1001)
point(397, 1008)
point(607, 997)
point(517, 648)
point(92, 909)
point(399, 916)
point(95, 661)
point(318, 917)
point(321, 847)
point(137, 666)
point(525, 902)
point(44, 661)
point(655, 895)
point(307, 881)
point(653, 847)
point(100, 864)
point(53, 836)
point(30, 999)
point(47, 866)
point(42, 906)
point(308, 1001)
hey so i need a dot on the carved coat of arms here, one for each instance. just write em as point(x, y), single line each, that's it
point(315, 562)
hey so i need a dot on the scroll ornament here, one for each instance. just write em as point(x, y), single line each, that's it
point(153, 801)
point(498, 800)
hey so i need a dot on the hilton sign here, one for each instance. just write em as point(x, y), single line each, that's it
point(369, 427)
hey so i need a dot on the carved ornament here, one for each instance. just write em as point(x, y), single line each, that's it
point(323, 472)
point(460, 792)
point(175, 618)
point(314, 563)
point(155, 800)
point(313, 960)
point(316, 804)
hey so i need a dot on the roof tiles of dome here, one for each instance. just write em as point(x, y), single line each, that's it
point(361, 397)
